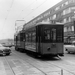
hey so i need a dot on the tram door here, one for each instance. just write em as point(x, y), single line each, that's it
point(39, 35)
point(53, 40)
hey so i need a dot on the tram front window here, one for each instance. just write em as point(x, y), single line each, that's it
point(53, 34)
point(47, 34)
point(50, 35)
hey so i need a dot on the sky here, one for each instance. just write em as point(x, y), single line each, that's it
point(15, 13)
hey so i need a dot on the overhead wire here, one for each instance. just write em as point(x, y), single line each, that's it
point(35, 9)
point(9, 11)
point(26, 8)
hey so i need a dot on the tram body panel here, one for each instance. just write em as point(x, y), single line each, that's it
point(48, 48)
point(52, 48)
point(21, 45)
point(18, 44)
point(60, 47)
point(30, 46)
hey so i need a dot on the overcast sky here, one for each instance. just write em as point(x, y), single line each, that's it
point(22, 10)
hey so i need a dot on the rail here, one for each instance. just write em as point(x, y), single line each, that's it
point(58, 72)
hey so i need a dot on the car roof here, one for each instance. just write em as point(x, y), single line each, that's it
point(1, 45)
point(73, 41)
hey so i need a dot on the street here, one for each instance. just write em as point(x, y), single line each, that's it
point(18, 63)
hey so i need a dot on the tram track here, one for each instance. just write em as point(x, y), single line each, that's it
point(6, 60)
point(32, 65)
point(62, 68)
point(52, 64)
point(30, 60)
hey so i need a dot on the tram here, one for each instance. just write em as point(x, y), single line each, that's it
point(19, 41)
point(44, 39)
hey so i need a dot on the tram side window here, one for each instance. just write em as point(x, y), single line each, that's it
point(21, 37)
point(53, 34)
point(18, 37)
point(33, 36)
point(27, 38)
point(47, 34)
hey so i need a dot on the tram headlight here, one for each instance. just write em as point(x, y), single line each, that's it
point(48, 48)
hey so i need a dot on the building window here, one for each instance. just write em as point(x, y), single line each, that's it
point(54, 16)
point(66, 11)
point(64, 20)
point(72, 8)
point(68, 19)
point(73, 17)
point(65, 29)
point(59, 14)
point(61, 21)
point(46, 14)
point(57, 8)
point(63, 12)
point(66, 3)
point(62, 5)
point(69, 28)
point(70, 1)
point(42, 20)
point(72, 28)
point(48, 19)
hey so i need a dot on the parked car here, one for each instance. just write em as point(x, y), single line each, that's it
point(7, 45)
point(70, 48)
point(4, 50)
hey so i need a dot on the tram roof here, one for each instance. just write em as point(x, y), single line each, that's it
point(41, 23)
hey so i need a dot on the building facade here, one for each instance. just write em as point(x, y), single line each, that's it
point(63, 12)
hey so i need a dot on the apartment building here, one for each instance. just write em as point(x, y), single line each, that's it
point(63, 12)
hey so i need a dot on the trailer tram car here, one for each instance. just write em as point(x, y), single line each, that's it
point(45, 39)
point(20, 41)
point(16, 36)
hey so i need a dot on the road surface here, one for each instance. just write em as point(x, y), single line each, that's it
point(18, 63)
